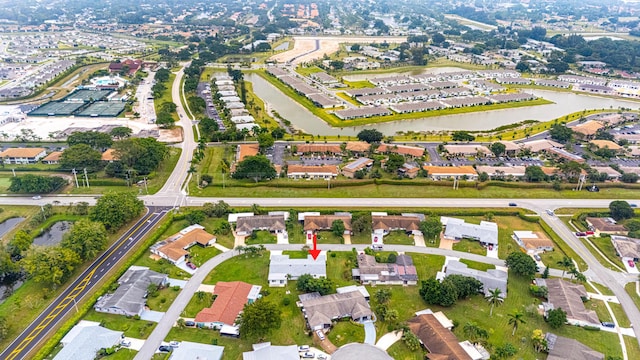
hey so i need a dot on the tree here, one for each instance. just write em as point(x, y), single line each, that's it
point(165, 120)
point(560, 133)
point(620, 210)
point(86, 238)
point(370, 135)
point(262, 47)
point(465, 285)
point(474, 332)
point(97, 140)
point(394, 162)
point(494, 298)
point(140, 154)
point(382, 295)
point(462, 136)
point(505, 351)
point(115, 209)
point(437, 293)
point(278, 133)
point(556, 318)
point(338, 228)
point(629, 178)
point(259, 319)
point(195, 216)
point(255, 167)
point(438, 38)
point(410, 340)
point(566, 263)
point(218, 209)
point(515, 319)
point(306, 283)
point(81, 156)
point(538, 341)
point(571, 169)
point(431, 228)
point(265, 141)
point(120, 132)
point(20, 243)
point(34, 184)
point(9, 268)
point(498, 148)
point(52, 265)
point(521, 264)
point(534, 173)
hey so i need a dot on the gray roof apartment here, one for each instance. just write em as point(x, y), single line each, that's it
point(321, 311)
point(129, 299)
point(84, 340)
point(266, 351)
point(562, 348)
point(362, 112)
point(568, 296)
point(371, 271)
point(486, 232)
point(490, 279)
point(282, 266)
point(249, 224)
point(196, 351)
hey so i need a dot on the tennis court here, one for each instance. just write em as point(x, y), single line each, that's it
point(87, 95)
point(103, 108)
point(54, 108)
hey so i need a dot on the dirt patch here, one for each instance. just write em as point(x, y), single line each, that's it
point(170, 135)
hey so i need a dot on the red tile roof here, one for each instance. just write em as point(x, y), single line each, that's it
point(230, 300)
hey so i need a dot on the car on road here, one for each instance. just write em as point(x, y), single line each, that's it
point(550, 212)
point(631, 263)
point(36, 197)
point(320, 335)
point(513, 204)
point(537, 257)
point(191, 265)
point(308, 355)
point(303, 348)
point(165, 348)
point(633, 205)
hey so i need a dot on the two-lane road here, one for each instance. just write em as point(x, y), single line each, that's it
point(84, 285)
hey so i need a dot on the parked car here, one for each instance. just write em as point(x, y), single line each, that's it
point(189, 323)
point(174, 344)
point(303, 348)
point(580, 233)
point(589, 232)
point(490, 246)
point(633, 205)
point(308, 355)
point(125, 343)
point(608, 324)
point(191, 265)
point(513, 204)
point(549, 212)
point(537, 257)
point(165, 348)
point(631, 263)
point(320, 334)
point(321, 357)
point(36, 197)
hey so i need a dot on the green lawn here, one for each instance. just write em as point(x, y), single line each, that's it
point(470, 246)
point(306, 71)
point(139, 329)
point(166, 97)
point(339, 265)
point(631, 290)
point(346, 332)
point(606, 247)
point(398, 237)
point(122, 354)
point(162, 266)
point(620, 315)
point(400, 351)
point(358, 84)
point(261, 237)
point(199, 255)
point(477, 265)
point(163, 301)
point(328, 237)
point(253, 270)
point(195, 305)
point(427, 265)
point(603, 289)
point(5, 182)
point(599, 308)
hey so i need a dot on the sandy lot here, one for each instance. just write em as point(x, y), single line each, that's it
point(304, 48)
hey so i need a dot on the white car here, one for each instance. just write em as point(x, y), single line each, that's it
point(174, 344)
point(303, 348)
point(37, 197)
point(320, 335)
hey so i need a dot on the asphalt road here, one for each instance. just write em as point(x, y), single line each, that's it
point(38, 331)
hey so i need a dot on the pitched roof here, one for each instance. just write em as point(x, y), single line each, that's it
point(21, 152)
point(109, 155)
point(439, 341)
point(626, 247)
point(358, 146)
point(319, 148)
point(490, 279)
point(53, 156)
point(322, 310)
point(468, 149)
point(175, 245)
point(486, 232)
point(401, 149)
point(402, 270)
point(450, 170)
point(269, 222)
point(282, 265)
point(191, 350)
point(533, 239)
point(272, 352)
point(324, 222)
point(566, 295)
point(562, 348)
point(85, 339)
point(588, 127)
point(245, 150)
point(312, 169)
point(408, 223)
point(606, 144)
point(605, 225)
point(539, 145)
point(230, 300)
point(129, 296)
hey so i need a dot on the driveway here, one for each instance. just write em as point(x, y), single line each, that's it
point(418, 240)
point(151, 315)
point(389, 339)
point(282, 238)
point(446, 243)
point(493, 253)
point(347, 238)
point(369, 333)
point(326, 344)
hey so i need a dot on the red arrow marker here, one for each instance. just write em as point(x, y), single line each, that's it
point(314, 252)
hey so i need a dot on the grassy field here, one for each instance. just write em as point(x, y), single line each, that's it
point(400, 351)
point(139, 329)
point(306, 71)
point(345, 332)
point(195, 305)
point(260, 237)
point(163, 301)
point(477, 265)
point(166, 97)
point(470, 246)
point(398, 237)
point(358, 84)
point(631, 290)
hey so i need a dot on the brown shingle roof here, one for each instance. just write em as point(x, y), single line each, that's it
point(401, 149)
point(269, 222)
point(439, 341)
point(54, 156)
point(358, 146)
point(566, 295)
point(601, 224)
point(230, 300)
point(319, 148)
point(606, 143)
point(408, 223)
point(324, 222)
point(322, 310)
point(21, 152)
point(245, 150)
point(588, 128)
point(109, 155)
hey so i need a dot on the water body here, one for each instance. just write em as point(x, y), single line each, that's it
point(54, 234)
point(564, 103)
point(9, 224)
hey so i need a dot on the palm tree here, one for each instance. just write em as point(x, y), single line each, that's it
point(565, 263)
point(516, 318)
point(494, 298)
point(200, 295)
point(474, 332)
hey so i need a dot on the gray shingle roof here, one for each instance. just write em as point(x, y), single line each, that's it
point(490, 279)
point(281, 265)
point(129, 297)
point(84, 341)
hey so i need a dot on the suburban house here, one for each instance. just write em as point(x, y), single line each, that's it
point(315, 223)
point(605, 226)
point(439, 341)
point(282, 268)
point(451, 172)
point(245, 150)
point(510, 148)
point(533, 241)
point(129, 297)
point(612, 174)
point(22, 155)
point(190, 350)
point(457, 229)
point(312, 171)
point(627, 248)
point(231, 298)
point(320, 311)
point(350, 288)
point(602, 144)
point(371, 272)
point(85, 339)
point(502, 172)
point(266, 351)
point(408, 170)
point(411, 151)
point(132, 66)
point(350, 169)
point(246, 225)
point(536, 146)
point(568, 296)
point(318, 149)
point(109, 156)
point(53, 158)
point(358, 147)
point(587, 129)
point(490, 279)
point(562, 348)
point(174, 248)
point(562, 154)
point(382, 224)
point(467, 150)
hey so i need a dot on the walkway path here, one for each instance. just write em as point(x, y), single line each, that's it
point(369, 332)
point(389, 339)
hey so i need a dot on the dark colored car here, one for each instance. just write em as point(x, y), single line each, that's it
point(189, 323)
point(513, 204)
point(191, 266)
point(608, 324)
point(165, 348)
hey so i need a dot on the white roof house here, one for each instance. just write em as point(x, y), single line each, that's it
point(490, 279)
point(266, 351)
point(282, 268)
point(486, 232)
point(190, 351)
point(85, 340)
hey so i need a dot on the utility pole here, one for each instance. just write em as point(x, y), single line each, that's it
point(75, 176)
point(145, 185)
point(86, 178)
point(455, 183)
point(14, 172)
point(581, 182)
point(223, 180)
